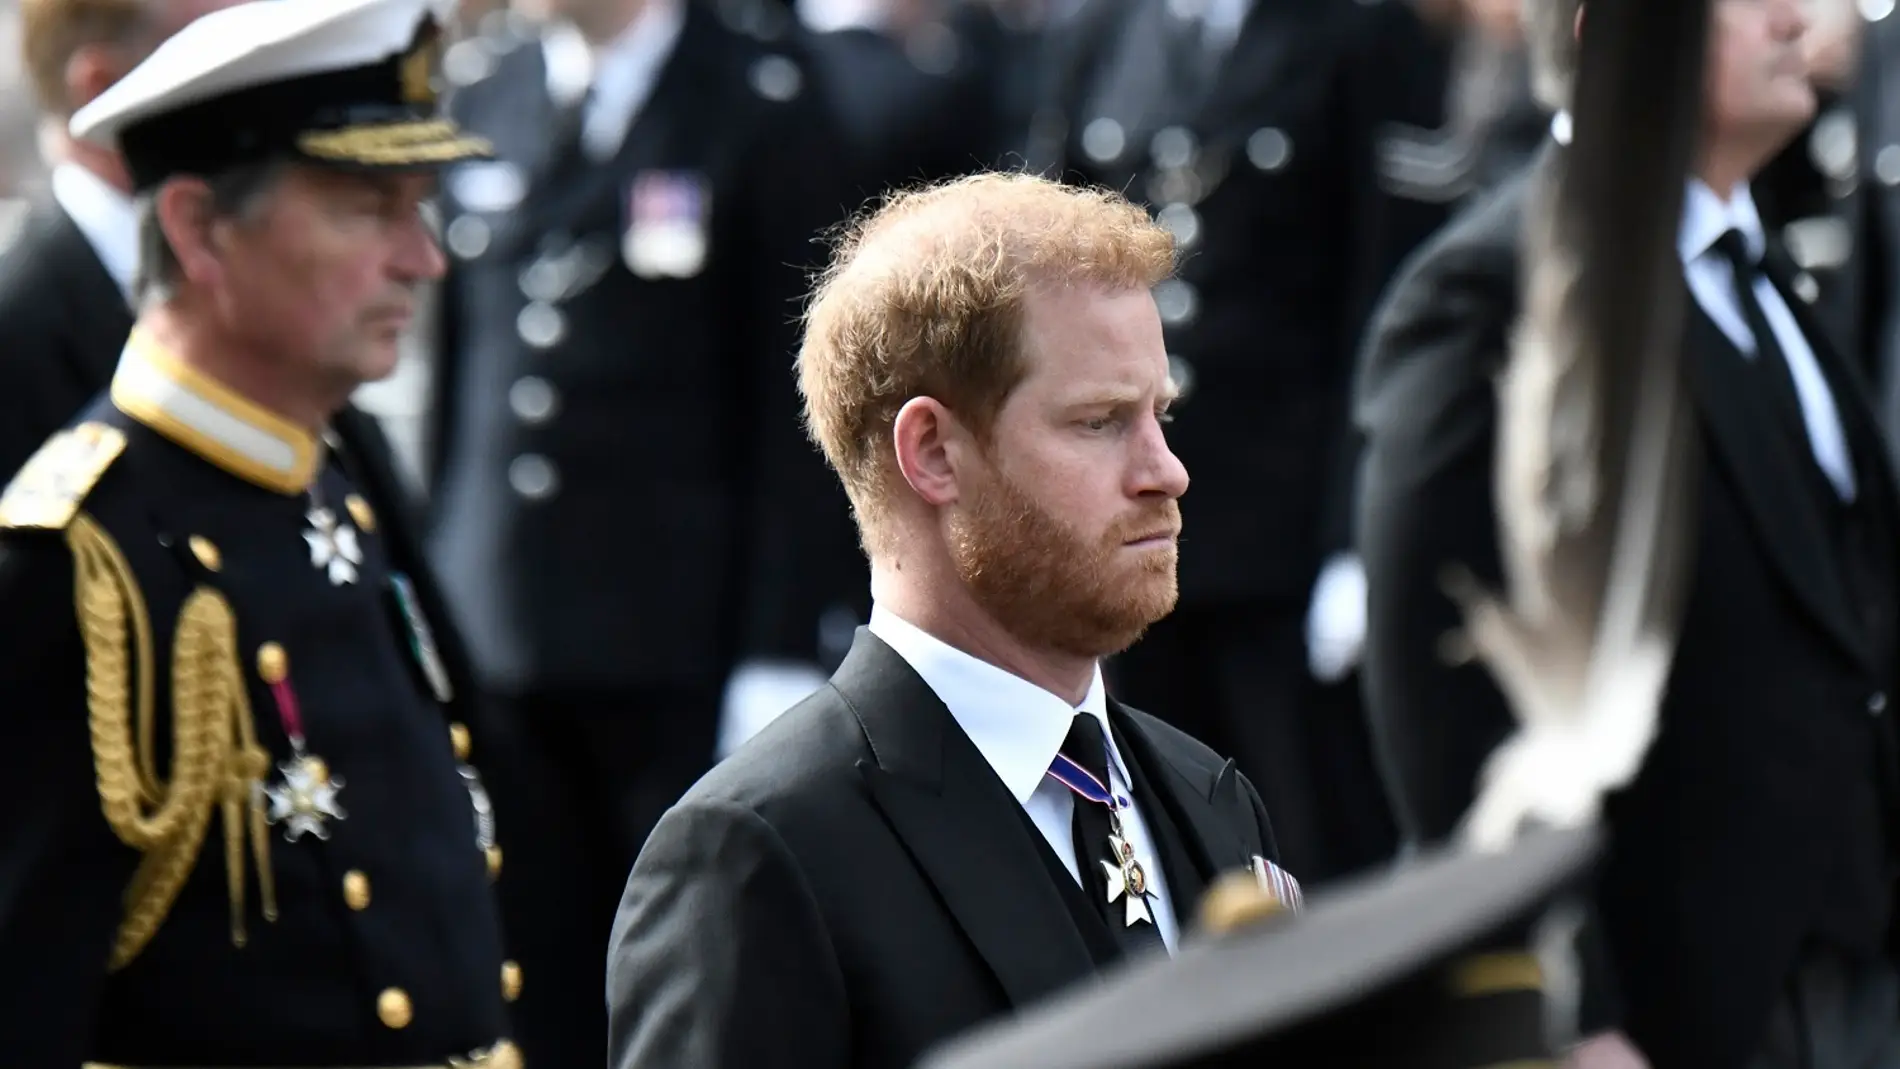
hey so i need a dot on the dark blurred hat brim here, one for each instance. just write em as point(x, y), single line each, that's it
point(1219, 992)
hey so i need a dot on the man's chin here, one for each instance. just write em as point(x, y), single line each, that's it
point(378, 360)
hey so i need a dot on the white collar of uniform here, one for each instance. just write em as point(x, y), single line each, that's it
point(104, 216)
point(205, 416)
point(1705, 217)
point(618, 70)
point(1016, 725)
point(831, 16)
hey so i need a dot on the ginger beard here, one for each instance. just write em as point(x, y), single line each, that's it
point(1051, 586)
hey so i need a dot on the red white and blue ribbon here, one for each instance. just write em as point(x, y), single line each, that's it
point(1084, 784)
point(1277, 882)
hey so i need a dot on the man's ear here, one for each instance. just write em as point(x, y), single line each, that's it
point(929, 442)
point(1577, 28)
point(90, 71)
point(186, 215)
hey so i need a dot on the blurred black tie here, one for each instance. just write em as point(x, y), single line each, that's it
point(565, 155)
point(1771, 363)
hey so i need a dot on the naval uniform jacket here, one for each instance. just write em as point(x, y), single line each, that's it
point(372, 938)
point(856, 884)
point(623, 495)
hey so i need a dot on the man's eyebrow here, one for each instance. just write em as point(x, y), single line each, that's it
point(1110, 398)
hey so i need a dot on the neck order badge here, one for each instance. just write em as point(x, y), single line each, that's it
point(1125, 876)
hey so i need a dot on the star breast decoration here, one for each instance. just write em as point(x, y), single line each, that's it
point(334, 548)
point(1127, 880)
point(305, 800)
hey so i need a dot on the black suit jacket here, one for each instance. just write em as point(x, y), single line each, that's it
point(65, 321)
point(1759, 803)
point(856, 884)
point(688, 522)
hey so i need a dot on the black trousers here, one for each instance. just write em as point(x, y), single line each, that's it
point(1235, 677)
point(584, 779)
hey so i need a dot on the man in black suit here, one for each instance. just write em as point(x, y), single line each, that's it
point(66, 281)
point(961, 822)
point(1264, 134)
point(625, 284)
point(1743, 913)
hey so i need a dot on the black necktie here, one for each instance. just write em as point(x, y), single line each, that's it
point(1771, 363)
point(567, 121)
point(1097, 840)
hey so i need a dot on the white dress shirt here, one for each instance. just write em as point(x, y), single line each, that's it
point(1705, 217)
point(104, 216)
point(620, 74)
point(1019, 727)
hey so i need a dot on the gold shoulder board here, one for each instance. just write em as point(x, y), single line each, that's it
point(48, 490)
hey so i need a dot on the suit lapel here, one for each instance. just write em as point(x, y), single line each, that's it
point(963, 828)
point(1846, 380)
point(1766, 478)
point(1200, 803)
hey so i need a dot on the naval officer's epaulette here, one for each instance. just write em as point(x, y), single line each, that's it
point(52, 485)
point(216, 759)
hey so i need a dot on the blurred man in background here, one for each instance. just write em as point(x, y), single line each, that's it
point(66, 282)
point(1743, 912)
point(622, 499)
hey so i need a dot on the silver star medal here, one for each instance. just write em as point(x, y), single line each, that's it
point(484, 810)
point(305, 799)
point(1126, 879)
point(333, 546)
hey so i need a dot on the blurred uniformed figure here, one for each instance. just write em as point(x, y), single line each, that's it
point(241, 826)
point(1293, 148)
point(625, 508)
point(66, 280)
point(1420, 970)
point(914, 85)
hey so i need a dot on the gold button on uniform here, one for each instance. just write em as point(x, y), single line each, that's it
point(458, 738)
point(206, 553)
point(510, 981)
point(360, 511)
point(273, 664)
point(356, 889)
point(494, 862)
point(393, 1008)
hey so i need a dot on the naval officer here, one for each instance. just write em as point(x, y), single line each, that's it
point(243, 827)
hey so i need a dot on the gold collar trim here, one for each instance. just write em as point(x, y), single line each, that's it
point(208, 418)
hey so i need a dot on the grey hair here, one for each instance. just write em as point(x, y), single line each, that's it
point(1550, 37)
point(236, 193)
